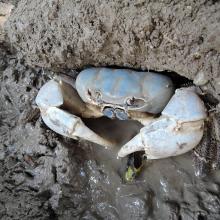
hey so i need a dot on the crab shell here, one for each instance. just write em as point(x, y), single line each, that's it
point(126, 89)
point(178, 129)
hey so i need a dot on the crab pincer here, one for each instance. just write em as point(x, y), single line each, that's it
point(178, 129)
point(51, 99)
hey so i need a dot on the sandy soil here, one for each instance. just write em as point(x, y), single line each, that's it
point(46, 176)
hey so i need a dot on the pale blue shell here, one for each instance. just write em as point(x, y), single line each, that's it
point(116, 86)
point(185, 106)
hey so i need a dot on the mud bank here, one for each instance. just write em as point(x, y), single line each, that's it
point(182, 37)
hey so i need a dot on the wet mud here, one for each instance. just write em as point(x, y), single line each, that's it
point(46, 176)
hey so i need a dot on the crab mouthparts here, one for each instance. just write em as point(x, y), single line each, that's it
point(113, 113)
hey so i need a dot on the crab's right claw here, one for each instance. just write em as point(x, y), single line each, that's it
point(164, 138)
point(178, 130)
point(49, 99)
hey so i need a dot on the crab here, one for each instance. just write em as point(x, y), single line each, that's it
point(173, 120)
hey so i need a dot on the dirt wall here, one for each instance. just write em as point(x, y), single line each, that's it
point(178, 36)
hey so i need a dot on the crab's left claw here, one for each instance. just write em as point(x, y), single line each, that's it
point(49, 100)
point(176, 131)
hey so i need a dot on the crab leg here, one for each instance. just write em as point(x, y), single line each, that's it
point(176, 131)
point(49, 99)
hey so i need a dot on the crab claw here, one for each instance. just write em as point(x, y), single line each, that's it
point(176, 131)
point(49, 99)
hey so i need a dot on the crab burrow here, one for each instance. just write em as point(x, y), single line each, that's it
point(173, 120)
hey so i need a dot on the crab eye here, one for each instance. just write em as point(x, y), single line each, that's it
point(109, 112)
point(97, 95)
point(129, 101)
point(134, 102)
point(121, 114)
point(89, 92)
point(94, 95)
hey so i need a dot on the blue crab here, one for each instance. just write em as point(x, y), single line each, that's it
point(173, 120)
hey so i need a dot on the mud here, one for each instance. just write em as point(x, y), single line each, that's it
point(5, 11)
point(46, 176)
point(177, 36)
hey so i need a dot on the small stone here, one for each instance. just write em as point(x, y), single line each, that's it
point(197, 55)
point(200, 79)
point(5, 9)
point(18, 179)
point(2, 156)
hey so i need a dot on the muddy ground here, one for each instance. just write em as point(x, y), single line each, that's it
point(46, 176)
